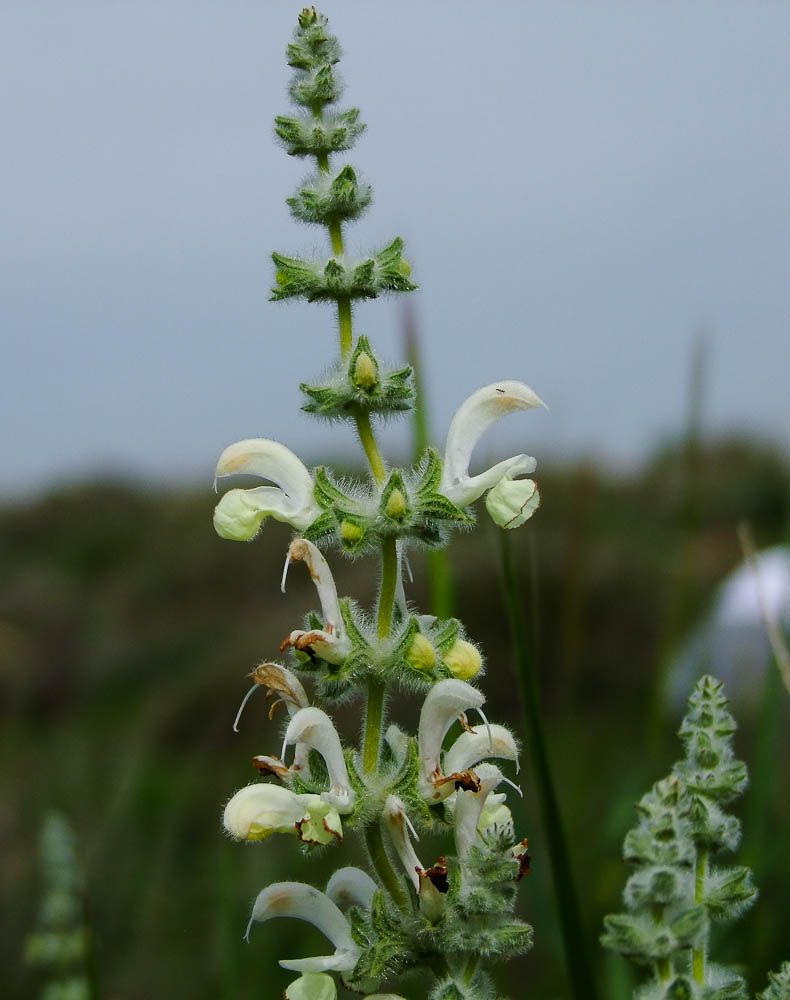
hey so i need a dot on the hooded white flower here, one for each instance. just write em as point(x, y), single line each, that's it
point(313, 728)
point(513, 501)
point(444, 704)
point(331, 642)
point(259, 810)
point(351, 887)
point(496, 815)
point(469, 807)
point(472, 419)
point(398, 826)
point(240, 513)
point(295, 899)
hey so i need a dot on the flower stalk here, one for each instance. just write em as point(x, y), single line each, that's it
point(454, 918)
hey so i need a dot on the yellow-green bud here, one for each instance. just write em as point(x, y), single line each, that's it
point(463, 660)
point(396, 505)
point(366, 373)
point(350, 532)
point(421, 654)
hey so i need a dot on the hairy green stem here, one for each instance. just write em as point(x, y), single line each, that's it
point(580, 973)
point(381, 862)
point(374, 717)
point(700, 876)
point(368, 440)
point(470, 969)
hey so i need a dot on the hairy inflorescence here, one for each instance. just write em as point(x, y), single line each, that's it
point(452, 916)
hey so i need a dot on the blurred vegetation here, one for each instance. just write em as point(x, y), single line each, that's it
point(126, 632)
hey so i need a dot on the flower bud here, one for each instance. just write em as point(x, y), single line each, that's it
point(350, 532)
point(463, 660)
point(396, 506)
point(513, 501)
point(365, 374)
point(421, 655)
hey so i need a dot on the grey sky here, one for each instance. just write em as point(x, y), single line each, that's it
point(580, 186)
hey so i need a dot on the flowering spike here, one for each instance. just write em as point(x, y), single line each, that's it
point(295, 899)
point(475, 415)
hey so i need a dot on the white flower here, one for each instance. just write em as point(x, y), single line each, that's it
point(470, 748)
point(472, 419)
point(513, 501)
point(398, 826)
point(295, 899)
point(331, 642)
point(259, 810)
point(443, 705)
point(312, 986)
point(240, 513)
point(313, 728)
point(495, 815)
point(351, 887)
point(469, 806)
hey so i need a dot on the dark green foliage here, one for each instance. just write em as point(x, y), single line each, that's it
point(779, 985)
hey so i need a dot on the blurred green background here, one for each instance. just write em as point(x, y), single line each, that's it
point(126, 631)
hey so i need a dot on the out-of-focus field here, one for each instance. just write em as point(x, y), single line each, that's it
point(126, 631)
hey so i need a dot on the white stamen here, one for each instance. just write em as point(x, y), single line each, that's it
point(285, 571)
point(411, 826)
point(408, 569)
point(488, 729)
point(513, 785)
point(246, 698)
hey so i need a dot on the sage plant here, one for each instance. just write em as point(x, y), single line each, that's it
point(679, 889)
point(401, 913)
